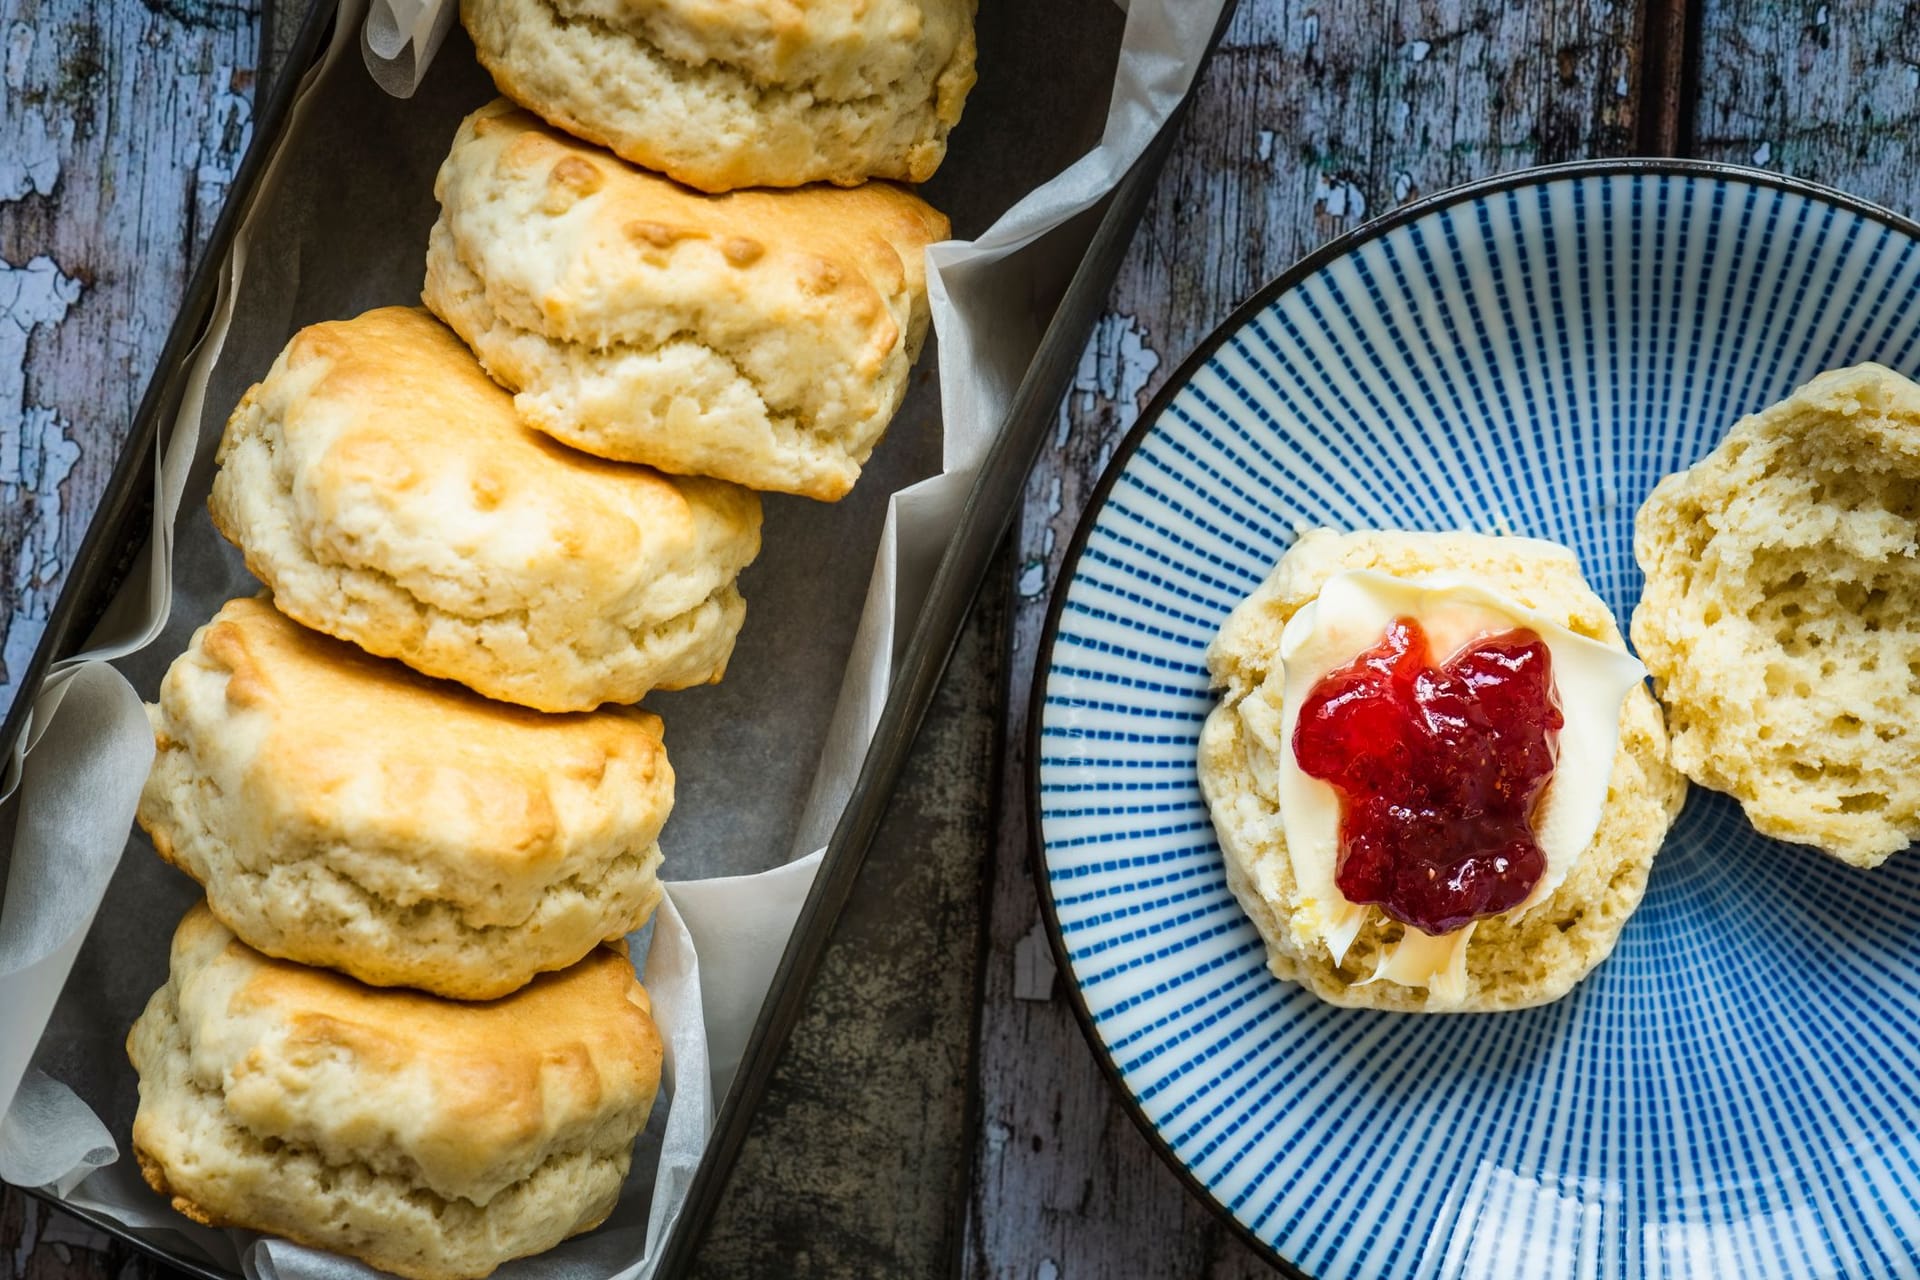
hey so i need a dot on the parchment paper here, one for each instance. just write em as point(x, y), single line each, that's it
point(765, 761)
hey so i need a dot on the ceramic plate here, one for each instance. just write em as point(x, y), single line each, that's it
point(1735, 1092)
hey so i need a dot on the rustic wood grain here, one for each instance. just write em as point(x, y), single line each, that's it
point(1829, 91)
point(121, 126)
point(1311, 119)
point(1666, 44)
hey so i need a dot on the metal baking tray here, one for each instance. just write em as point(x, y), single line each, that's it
point(1073, 272)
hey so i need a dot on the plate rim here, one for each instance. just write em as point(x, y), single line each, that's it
point(1258, 301)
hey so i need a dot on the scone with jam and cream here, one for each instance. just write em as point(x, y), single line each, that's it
point(1436, 774)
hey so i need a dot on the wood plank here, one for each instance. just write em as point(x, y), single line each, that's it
point(1666, 101)
point(40, 1243)
point(1829, 91)
point(124, 125)
point(1310, 120)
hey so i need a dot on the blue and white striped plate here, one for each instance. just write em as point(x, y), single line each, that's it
point(1737, 1091)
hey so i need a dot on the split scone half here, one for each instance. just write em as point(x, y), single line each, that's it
point(1604, 812)
point(745, 93)
point(763, 337)
point(343, 810)
point(387, 492)
point(1781, 616)
point(428, 1138)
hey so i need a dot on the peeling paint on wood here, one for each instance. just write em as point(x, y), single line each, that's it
point(36, 452)
point(120, 130)
point(1314, 117)
point(1825, 91)
point(124, 124)
point(1310, 120)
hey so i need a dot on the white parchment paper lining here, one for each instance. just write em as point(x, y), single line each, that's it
point(714, 943)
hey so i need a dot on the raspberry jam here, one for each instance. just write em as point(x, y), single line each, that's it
point(1439, 769)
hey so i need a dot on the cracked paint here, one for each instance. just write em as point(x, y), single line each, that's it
point(30, 164)
point(32, 170)
point(37, 451)
point(32, 297)
point(229, 128)
point(1339, 198)
point(1054, 503)
point(38, 293)
point(1032, 583)
point(1115, 367)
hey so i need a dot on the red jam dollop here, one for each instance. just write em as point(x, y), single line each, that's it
point(1439, 770)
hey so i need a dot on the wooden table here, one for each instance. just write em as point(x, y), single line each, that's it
point(938, 1111)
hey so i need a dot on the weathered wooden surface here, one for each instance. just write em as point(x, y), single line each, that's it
point(1310, 120)
point(1825, 90)
point(121, 125)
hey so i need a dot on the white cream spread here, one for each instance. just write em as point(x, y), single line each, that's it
point(1350, 616)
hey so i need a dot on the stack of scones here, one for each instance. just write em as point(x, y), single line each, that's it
point(408, 774)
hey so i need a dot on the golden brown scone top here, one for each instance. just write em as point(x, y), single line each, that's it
point(724, 95)
point(406, 452)
point(621, 239)
point(797, 42)
point(471, 1095)
point(346, 742)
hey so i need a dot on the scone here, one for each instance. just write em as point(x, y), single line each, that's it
point(1781, 616)
point(342, 810)
point(389, 495)
point(1521, 957)
point(428, 1138)
point(746, 93)
point(761, 337)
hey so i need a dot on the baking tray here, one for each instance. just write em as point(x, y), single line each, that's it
point(1064, 304)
